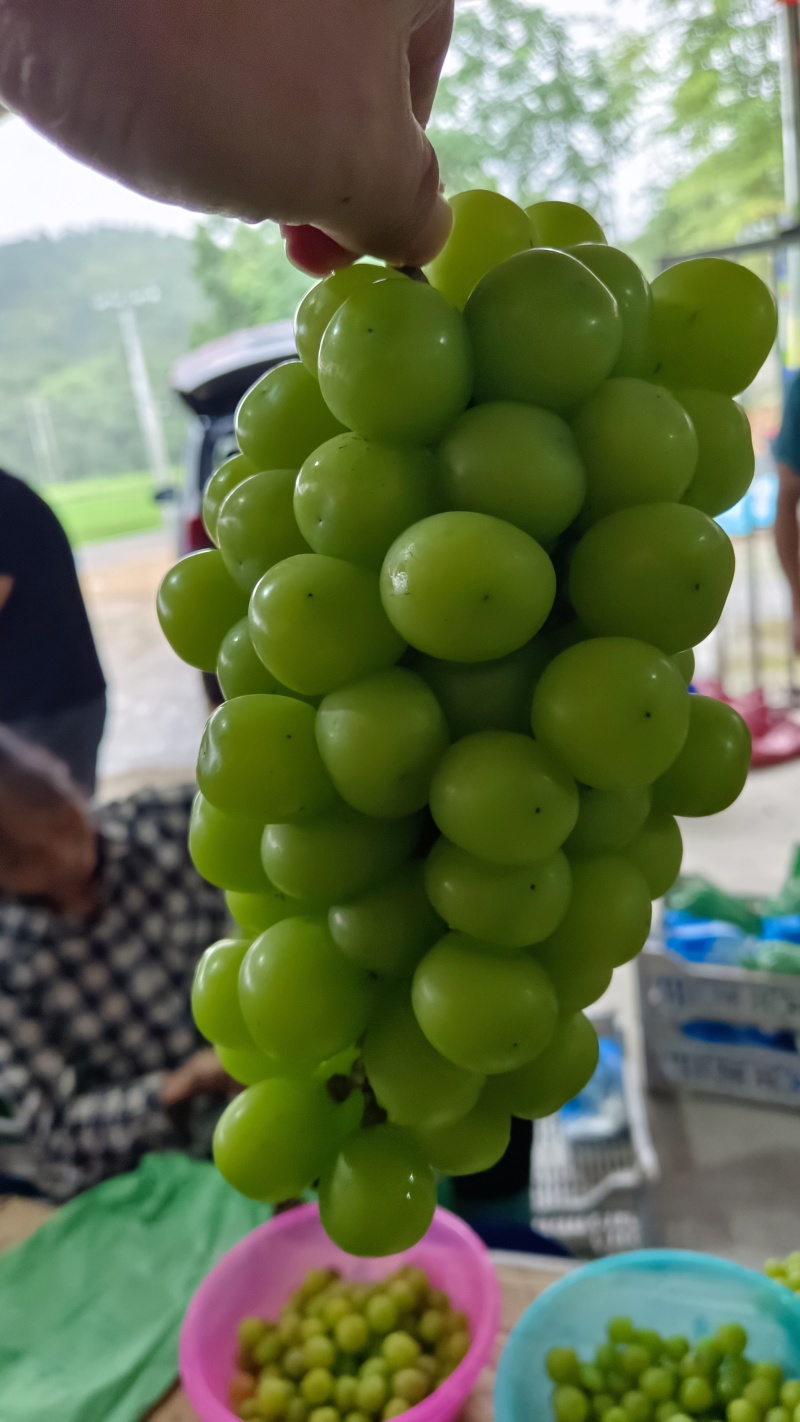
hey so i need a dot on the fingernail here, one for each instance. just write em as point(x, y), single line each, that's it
point(313, 251)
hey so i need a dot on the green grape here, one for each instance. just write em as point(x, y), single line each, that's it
point(732, 1339)
point(562, 1365)
point(742, 1410)
point(657, 850)
point(410, 1384)
point(354, 497)
point(555, 1077)
point(659, 572)
point(275, 1138)
point(414, 1084)
point(608, 918)
point(470, 1145)
point(239, 671)
point(485, 1012)
point(636, 1358)
point(711, 769)
point(254, 913)
point(197, 604)
point(657, 1384)
point(215, 994)
point(248, 1065)
point(317, 624)
point(637, 1405)
point(226, 849)
point(259, 757)
point(478, 696)
point(773, 1372)
point(283, 417)
point(637, 444)
point(388, 929)
point(631, 292)
point(685, 663)
point(570, 1404)
point(617, 1414)
point(778, 1414)
point(466, 587)
point(714, 324)
point(352, 1333)
point(486, 460)
point(790, 1392)
point(337, 855)
point(544, 331)
point(562, 224)
point(487, 229)
point(317, 1386)
point(609, 819)
point(380, 740)
point(621, 1330)
point(395, 363)
point(503, 798)
point(613, 710)
point(378, 1196)
point(320, 304)
point(229, 474)
point(301, 1000)
point(762, 1392)
point(400, 1350)
point(578, 988)
point(256, 526)
point(726, 459)
point(666, 1411)
point(506, 907)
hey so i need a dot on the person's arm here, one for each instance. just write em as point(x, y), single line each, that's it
point(787, 539)
point(304, 111)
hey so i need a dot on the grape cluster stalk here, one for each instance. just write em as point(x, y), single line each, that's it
point(459, 567)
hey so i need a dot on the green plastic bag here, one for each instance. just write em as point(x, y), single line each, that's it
point(787, 902)
point(91, 1305)
point(697, 896)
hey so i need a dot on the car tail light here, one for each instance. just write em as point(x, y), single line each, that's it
point(196, 536)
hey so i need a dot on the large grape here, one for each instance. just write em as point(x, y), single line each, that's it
point(320, 304)
point(335, 855)
point(726, 459)
point(608, 918)
point(609, 819)
point(317, 623)
point(503, 798)
point(544, 330)
point(259, 757)
point(222, 481)
point(466, 586)
point(273, 1140)
point(239, 671)
point(282, 418)
point(517, 463)
point(253, 913)
point(215, 994)
point(631, 292)
point(658, 851)
point(390, 927)
point(226, 849)
point(710, 772)
point(660, 573)
point(562, 224)
point(487, 228)
point(545, 1085)
point(411, 1080)
point(381, 739)
point(637, 444)
point(614, 710)
point(471, 1144)
point(301, 999)
point(256, 526)
point(714, 324)
point(378, 1195)
point(197, 603)
point(505, 907)
point(353, 497)
point(480, 696)
point(395, 363)
point(485, 1012)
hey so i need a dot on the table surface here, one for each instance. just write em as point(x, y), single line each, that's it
point(522, 1279)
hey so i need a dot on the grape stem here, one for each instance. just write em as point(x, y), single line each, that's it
point(415, 273)
point(341, 1086)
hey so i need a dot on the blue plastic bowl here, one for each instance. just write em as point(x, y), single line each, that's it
point(670, 1290)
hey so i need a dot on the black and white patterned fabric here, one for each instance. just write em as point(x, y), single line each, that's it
point(93, 1013)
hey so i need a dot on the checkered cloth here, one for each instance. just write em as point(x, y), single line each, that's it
point(92, 1014)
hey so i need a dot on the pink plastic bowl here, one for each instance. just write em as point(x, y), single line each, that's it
point(261, 1271)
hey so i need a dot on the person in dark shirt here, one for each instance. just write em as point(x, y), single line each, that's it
point(102, 921)
point(52, 688)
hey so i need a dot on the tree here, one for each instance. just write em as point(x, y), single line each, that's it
point(521, 107)
point(717, 62)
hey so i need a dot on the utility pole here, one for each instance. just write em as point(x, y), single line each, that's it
point(789, 24)
point(43, 439)
point(125, 303)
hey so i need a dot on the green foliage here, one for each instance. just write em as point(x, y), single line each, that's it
point(717, 62)
point(245, 276)
point(53, 343)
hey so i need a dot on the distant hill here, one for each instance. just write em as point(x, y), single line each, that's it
point(56, 346)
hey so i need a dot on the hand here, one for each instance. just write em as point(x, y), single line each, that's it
point(201, 1075)
point(305, 111)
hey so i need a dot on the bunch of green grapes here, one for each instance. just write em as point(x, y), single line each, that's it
point(638, 1376)
point(460, 564)
point(348, 1351)
point(785, 1271)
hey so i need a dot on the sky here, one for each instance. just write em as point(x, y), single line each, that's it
point(44, 191)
